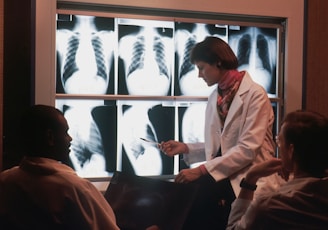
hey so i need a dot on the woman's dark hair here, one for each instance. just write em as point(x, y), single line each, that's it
point(214, 50)
point(308, 132)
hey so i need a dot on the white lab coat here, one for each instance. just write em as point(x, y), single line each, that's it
point(245, 139)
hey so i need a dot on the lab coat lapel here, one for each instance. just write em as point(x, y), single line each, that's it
point(237, 102)
point(213, 105)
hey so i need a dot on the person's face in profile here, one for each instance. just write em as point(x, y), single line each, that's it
point(61, 140)
point(209, 72)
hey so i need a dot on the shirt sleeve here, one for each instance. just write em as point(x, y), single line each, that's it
point(196, 153)
point(238, 208)
point(243, 214)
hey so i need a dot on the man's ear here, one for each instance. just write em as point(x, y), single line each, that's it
point(50, 137)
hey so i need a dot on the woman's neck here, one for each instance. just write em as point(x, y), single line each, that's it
point(229, 77)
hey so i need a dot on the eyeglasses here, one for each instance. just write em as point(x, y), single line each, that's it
point(277, 141)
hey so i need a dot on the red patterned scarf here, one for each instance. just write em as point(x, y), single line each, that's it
point(227, 89)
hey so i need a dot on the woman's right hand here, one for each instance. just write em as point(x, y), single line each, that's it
point(171, 147)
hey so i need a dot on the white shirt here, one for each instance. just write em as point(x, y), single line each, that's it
point(301, 203)
point(42, 193)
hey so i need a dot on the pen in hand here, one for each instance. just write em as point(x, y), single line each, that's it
point(149, 141)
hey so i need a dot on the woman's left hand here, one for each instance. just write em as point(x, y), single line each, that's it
point(188, 175)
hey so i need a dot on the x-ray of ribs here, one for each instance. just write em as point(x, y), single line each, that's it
point(146, 58)
point(86, 62)
point(261, 45)
point(160, 56)
point(256, 53)
point(140, 51)
point(186, 65)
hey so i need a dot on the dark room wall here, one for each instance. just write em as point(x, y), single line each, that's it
point(1, 78)
point(316, 60)
point(18, 72)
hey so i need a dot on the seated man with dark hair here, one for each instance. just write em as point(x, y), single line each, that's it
point(44, 193)
point(301, 203)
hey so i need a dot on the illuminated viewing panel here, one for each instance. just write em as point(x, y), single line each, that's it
point(146, 86)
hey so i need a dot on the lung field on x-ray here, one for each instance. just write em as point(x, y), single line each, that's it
point(70, 65)
point(244, 50)
point(145, 55)
point(186, 65)
point(138, 50)
point(85, 55)
point(256, 50)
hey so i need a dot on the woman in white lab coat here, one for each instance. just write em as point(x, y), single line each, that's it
point(238, 123)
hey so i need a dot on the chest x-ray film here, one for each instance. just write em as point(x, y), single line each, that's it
point(85, 47)
point(256, 50)
point(145, 52)
point(140, 122)
point(93, 128)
